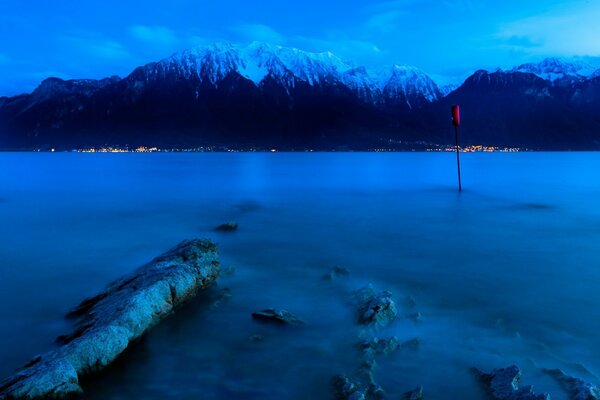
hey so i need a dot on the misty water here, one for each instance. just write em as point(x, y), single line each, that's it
point(508, 272)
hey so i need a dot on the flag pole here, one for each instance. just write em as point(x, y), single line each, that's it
point(456, 123)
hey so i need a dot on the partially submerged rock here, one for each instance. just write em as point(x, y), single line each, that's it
point(503, 384)
point(377, 346)
point(277, 316)
point(374, 346)
point(108, 322)
point(345, 389)
point(577, 388)
point(227, 227)
point(337, 272)
point(415, 394)
point(376, 309)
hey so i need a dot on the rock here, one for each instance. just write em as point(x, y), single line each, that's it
point(277, 316)
point(375, 346)
point(227, 227)
point(577, 388)
point(375, 309)
point(375, 392)
point(415, 394)
point(503, 384)
point(367, 377)
point(362, 387)
point(344, 389)
point(110, 321)
point(337, 272)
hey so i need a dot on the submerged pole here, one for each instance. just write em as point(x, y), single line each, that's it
point(456, 123)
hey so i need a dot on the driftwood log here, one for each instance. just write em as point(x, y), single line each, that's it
point(108, 322)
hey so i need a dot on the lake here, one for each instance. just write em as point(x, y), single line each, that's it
point(506, 272)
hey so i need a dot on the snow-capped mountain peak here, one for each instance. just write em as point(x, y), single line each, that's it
point(553, 69)
point(408, 81)
point(289, 66)
point(255, 62)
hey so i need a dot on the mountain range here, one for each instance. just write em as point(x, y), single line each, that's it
point(261, 95)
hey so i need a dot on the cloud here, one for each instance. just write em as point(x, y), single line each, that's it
point(568, 30)
point(522, 41)
point(108, 49)
point(96, 47)
point(341, 46)
point(155, 35)
point(259, 32)
point(386, 22)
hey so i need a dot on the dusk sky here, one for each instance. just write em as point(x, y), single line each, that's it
point(448, 39)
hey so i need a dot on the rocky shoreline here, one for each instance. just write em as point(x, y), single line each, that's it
point(107, 323)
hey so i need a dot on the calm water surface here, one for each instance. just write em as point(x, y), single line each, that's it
point(506, 272)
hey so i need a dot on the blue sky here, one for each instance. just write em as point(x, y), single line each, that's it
point(446, 38)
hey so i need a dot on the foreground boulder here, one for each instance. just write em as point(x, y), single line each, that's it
point(503, 384)
point(108, 322)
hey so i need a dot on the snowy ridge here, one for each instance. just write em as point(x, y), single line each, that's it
point(288, 66)
point(408, 81)
point(555, 69)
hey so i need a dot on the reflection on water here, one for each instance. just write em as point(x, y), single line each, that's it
point(506, 272)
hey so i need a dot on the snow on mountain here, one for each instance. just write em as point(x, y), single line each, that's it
point(257, 61)
point(449, 88)
point(407, 81)
point(554, 69)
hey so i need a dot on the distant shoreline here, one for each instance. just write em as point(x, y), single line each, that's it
point(225, 149)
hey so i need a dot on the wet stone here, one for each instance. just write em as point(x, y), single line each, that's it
point(277, 316)
point(375, 309)
point(345, 389)
point(227, 227)
point(503, 384)
point(415, 394)
point(337, 272)
point(377, 346)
